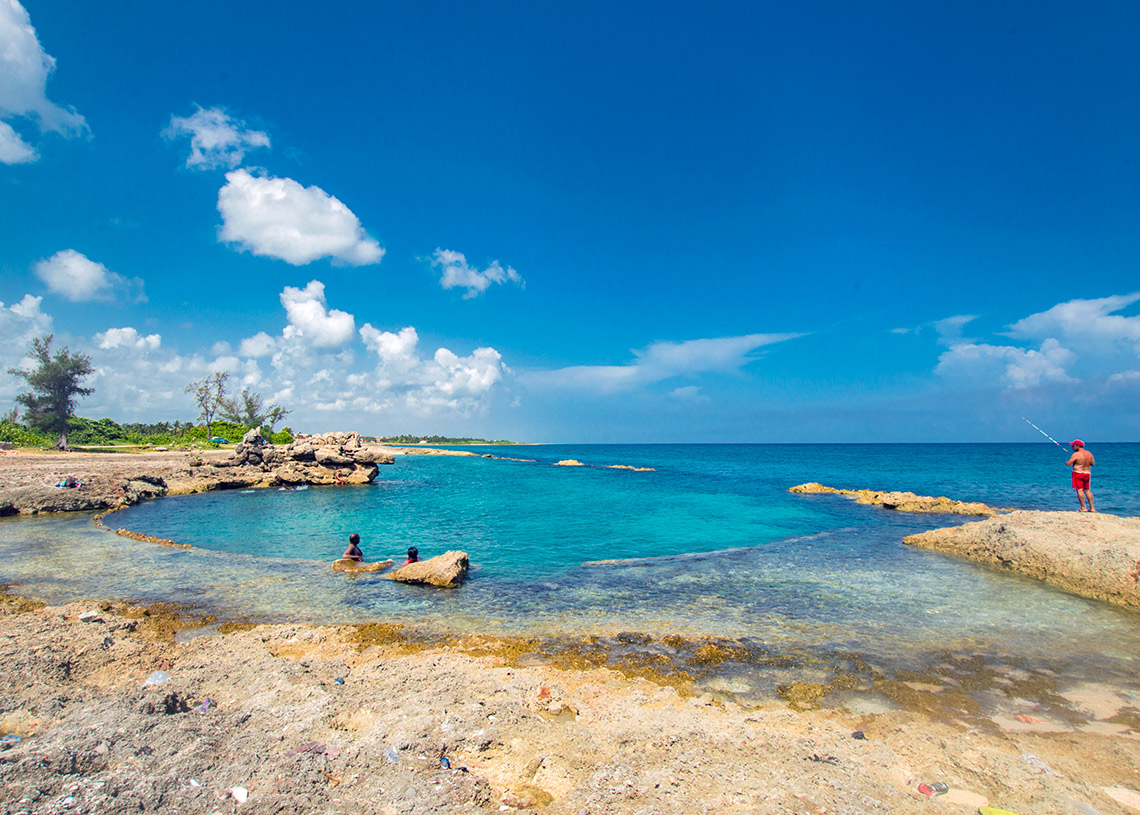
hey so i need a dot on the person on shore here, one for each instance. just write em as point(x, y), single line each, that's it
point(413, 556)
point(353, 551)
point(1082, 461)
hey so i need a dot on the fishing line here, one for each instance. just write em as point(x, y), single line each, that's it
point(1043, 433)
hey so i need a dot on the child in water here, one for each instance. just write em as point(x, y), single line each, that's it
point(413, 556)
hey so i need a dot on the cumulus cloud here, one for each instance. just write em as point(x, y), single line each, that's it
point(80, 279)
point(127, 337)
point(1016, 368)
point(259, 345)
point(457, 274)
point(24, 71)
point(1084, 322)
point(279, 218)
point(661, 361)
point(312, 320)
point(217, 140)
point(20, 323)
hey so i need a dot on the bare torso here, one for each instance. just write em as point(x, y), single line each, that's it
point(1081, 461)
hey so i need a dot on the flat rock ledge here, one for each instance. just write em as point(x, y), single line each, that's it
point(116, 480)
point(902, 501)
point(447, 571)
point(1090, 554)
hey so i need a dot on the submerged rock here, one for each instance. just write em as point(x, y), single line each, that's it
point(447, 570)
point(347, 565)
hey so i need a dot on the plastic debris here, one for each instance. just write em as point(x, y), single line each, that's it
point(1039, 763)
point(859, 735)
point(240, 794)
point(937, 788)
point(444, 764)
point(392, 756)
point(157, 678)
point(9, 741)
point(194, 783)
point(202, 708)
point(90, 617)
point(340, 680)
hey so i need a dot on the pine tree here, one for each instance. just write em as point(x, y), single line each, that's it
point(55, 388)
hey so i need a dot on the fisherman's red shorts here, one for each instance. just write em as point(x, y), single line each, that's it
point(1081, 481)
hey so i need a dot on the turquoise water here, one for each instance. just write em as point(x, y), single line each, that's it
point(713, 545)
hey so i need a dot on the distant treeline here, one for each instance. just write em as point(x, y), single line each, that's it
point(406, 439)
point(100, 432)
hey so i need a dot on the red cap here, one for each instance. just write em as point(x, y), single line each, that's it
point(1077, 443)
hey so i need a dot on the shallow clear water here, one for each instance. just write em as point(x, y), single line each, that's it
point(714, 544)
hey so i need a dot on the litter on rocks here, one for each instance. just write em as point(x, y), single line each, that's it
point(340, 680)
point(859, 735)
point(202, 708)
point(157, 678)
point(444, 764)
point(240, 794)
point(90, 617)
point(392, 756)
point(1035, 761)
point(937, 788)
point(9, 741)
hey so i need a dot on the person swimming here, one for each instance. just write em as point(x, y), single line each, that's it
point(413, 556)
point(353, 551)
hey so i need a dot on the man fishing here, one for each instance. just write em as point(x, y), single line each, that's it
point(1082, 461)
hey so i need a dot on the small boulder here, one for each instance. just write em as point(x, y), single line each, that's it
point(447, 570)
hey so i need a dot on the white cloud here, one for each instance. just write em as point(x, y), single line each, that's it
point(217, 140)
point(127, 338)
point(259, 345)
point(949, 330)
point(1016, 368)
point(20, 323)
point(661, 361)
point(80, 279)
point(311, 319)
point(457, 274)
point(279, 218)
point(13, 149)
point(1084, 322)
point(24, 71)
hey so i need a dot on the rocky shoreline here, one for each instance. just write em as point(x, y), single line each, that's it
point(114, 480)
point(901, 501)
point(1090, 554)
point(116, 709)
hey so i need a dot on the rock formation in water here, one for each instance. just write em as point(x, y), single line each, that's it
point(1090, 554)
point(447, 570)
point(902, 501)
point(330, 458)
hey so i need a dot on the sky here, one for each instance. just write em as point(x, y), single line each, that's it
point(586, 222)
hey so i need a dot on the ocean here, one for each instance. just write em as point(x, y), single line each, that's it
point(709, 544)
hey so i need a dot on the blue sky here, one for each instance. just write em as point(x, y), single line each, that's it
point(586, 222)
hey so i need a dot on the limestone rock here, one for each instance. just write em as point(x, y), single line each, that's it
point(1090, 554)
point(569, 462)
point(902, 501)
point(348, 565)
point(331, 457)
point(447, 570)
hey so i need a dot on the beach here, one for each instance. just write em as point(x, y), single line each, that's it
point(304, 717)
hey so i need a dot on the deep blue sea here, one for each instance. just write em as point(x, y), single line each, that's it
point(711, 544)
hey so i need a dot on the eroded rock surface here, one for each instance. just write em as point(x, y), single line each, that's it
point(902, 501)
point(447, 570)
point(1090, 554)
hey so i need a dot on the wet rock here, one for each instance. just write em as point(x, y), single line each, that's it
point(447, 570)
point(901, 501)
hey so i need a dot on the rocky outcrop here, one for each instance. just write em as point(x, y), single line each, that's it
point(447, 570)
point(1087, 553)
point(902, 501)
point(356, 567)
point(330, 458)
point(108, 481)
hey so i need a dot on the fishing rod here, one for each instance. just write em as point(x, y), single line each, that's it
point(1043, 433)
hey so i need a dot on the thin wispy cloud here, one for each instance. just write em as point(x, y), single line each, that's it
point(217, 140)
point(24, 71)
point(279, 218)
point(661, 361)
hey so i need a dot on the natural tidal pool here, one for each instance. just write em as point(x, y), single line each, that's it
point(710, 542)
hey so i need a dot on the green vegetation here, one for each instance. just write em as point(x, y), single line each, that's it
point(406, 439)
point(109, 433)
point(55, 388)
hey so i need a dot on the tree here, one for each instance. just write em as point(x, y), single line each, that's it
point(251, 411)
point(210, 395)
point(55, 388)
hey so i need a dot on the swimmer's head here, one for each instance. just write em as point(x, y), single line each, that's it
point(413, 554)
point(354, 538)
